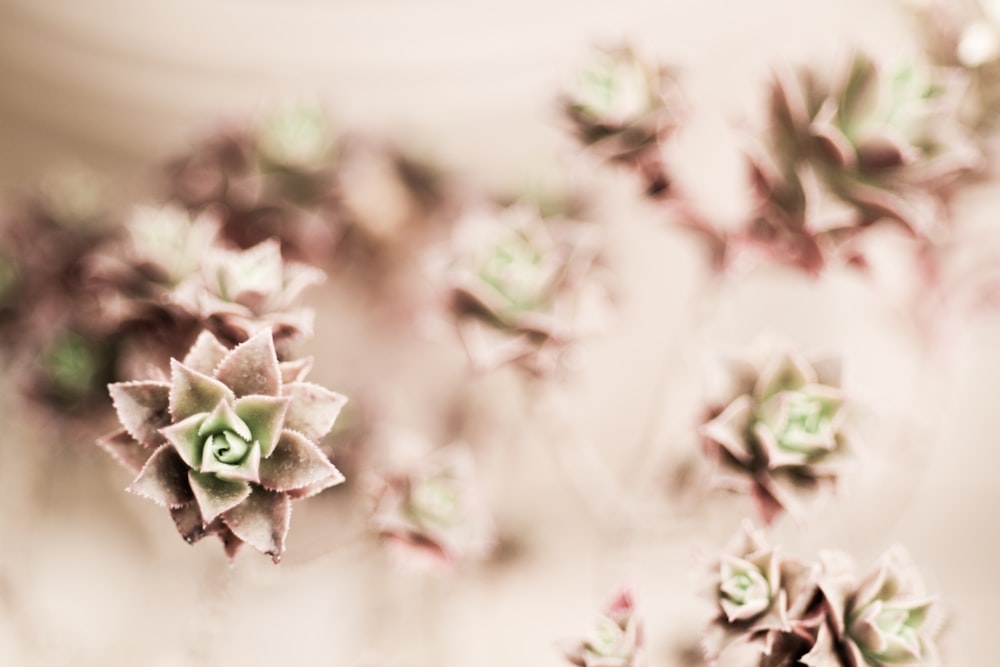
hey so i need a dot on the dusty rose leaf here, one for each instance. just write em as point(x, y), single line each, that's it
point(313, 409)
point(262, 521)
point(265, 416)
point(163, 479)
point(252, 367)
point(215, 495)
point(206, 354)
point(192, 392)
point(142, 408)
point(188, 520)
point(295, 371)
point(125, 450)
point(296, 463)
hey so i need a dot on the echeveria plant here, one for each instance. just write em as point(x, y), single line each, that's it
point(849, 150)
point(760, 594)
point(431, 513)
point(228, 442)
point(524, 288)
point(624, 107)
point(885, 618)
point(780, 434)
point(614, 640)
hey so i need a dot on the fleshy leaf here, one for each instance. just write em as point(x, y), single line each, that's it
point(185, 439)
point(163, 479)
point(296, 463)
point(262, 521)
point(215, 495)
point(252, 367)
point(224, 418)
point(187, 518)
point(206, 354)
point(247, 470)
point(313, 409)
point(143, 408)
point(192, 392)
point(295, 371)
point(124, 448)
point(264, 415)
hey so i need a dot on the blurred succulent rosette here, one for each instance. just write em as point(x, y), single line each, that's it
point(228, 442)
point(615, 639)
point(883, 618)
point(269, 179)
point(624, 107)
point(780, 435)
point(428, 507)
point(523, 289)
point(851, 148)
point(761, 595)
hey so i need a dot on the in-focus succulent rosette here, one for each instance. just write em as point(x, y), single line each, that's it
point(430, 512)
point(614, 640)
point(624, 107)
point(523, 288)
point(781, 433)
point(228, 442)
point(848, 150)
point(760, 595)
point(884, 618)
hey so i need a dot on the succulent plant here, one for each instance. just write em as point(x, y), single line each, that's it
point(885, 618)
point(614, 640)
point(431, 513)
point(228, 442)
point(761, 596)
point(781, 433)
point(848, 151)
point(624, 107)
point(524, 288)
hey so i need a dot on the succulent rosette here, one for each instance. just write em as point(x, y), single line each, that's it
point(624, 107)
point(761, 595)
point(228, 442)
point(615, 639)
point(274, 179)
point(523, 288)
point(431, 513)
point(782, 433)
point(885, 618)
point(849, 150)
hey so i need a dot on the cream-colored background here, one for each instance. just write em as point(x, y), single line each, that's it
point(90, 575)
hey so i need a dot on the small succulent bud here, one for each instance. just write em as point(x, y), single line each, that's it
point(227, 443)
point(781, 433)
point(431, 513)
point(524, 288)
point(615, 639)
point(295, 136)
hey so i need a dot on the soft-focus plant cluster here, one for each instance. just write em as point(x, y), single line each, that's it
point(191, 311)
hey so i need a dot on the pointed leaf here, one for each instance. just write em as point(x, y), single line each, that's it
point(192, 392)
point(185, 439)
point(265, 417)
point(215, 495)
point(224, 418)
point(206, 354)
point(143, 408)
point(252, 367)
point(295, 371)
point(163, 479)
point(313, 409)
point(296, 463)
point(187, 518)
point(124, 448)
point(262, 521)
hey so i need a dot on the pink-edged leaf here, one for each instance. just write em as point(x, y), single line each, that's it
point(296, 463)
point(124, 448)
point(252, 367)
point(189, 524)
point(313, 409)
point(262, 521)
point(163, 479)
point(192, 392)
point(206, 354)
point(185, 439)
point(295, 371)
point(318, 487)
point(143, 408)
point(215, 495)
point(265, 416)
